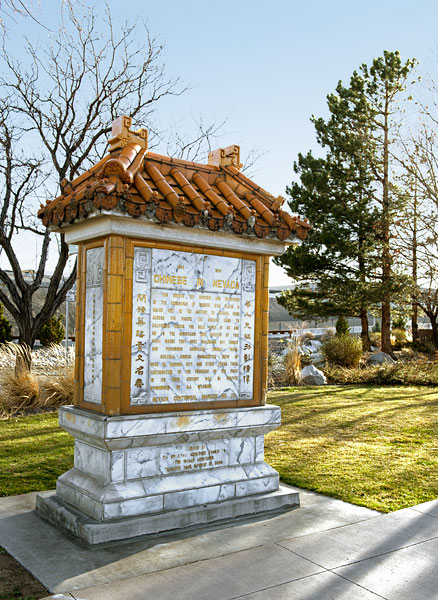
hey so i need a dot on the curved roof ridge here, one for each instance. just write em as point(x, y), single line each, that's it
point(133, 181)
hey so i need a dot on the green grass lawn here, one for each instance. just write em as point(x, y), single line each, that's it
point(373, 446)
point(34, 451)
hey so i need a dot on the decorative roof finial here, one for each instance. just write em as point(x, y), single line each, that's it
point(122, 135)
point(224, 157)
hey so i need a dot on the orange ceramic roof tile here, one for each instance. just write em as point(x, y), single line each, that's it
point(187, 189)
point(238, 204)
point(218, 202)
point(153, 187)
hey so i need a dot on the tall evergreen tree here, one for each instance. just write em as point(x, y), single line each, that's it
point(336, 265)
point(383, 82)
point(347, 196)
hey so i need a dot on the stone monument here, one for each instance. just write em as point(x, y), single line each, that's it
point(169, 414)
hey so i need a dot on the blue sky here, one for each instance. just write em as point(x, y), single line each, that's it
point(268, 66)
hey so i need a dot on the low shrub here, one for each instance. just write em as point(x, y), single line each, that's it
point(424, 346)
point(407, 353)
point(5, 327)
point(52, 332)
point(399, 322)
point(409, 373)
point(343, 350)
point(47, 386)
point(399, 335)
point(376, 338)
point(328, 333)
point(306, 335)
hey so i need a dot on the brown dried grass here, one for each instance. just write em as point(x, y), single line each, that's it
point(19, 393)
point(292, 364)
point(416, 373)
point(57, 392)
point(46, 387)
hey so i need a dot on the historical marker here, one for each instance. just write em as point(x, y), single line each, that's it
point(171, 342)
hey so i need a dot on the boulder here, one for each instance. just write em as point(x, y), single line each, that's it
point(380, 358)
point(312, 376)
point(314, 346)
point(304, 350)
point(318, 359)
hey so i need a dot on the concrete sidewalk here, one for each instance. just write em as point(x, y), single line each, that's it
point(326, 549)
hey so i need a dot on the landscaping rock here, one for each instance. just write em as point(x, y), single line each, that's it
point(304, 350)
point(380, 358)
point(312, 376)
point(318, 359)
point(314, 345)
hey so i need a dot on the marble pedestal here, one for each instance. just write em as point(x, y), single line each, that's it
point(145, 474)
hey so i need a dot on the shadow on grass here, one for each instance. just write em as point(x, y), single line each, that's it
point(367, 399)
point(367, 447)
point(20, 434)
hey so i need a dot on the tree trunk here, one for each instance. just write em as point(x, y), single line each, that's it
point(386, 255)
point(414, 322)
point(414, 315)
point(364, 334)
point(433, 322)
point(386, 327)
point(26, 340)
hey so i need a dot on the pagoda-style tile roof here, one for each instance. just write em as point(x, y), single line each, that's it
point(132, 181)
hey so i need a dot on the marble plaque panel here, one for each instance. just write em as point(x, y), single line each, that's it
point(193, 327)
point(93, 326)
point(194, 456)
point(141, 311)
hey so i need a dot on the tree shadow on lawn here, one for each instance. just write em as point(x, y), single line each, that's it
point(21, 434)
point(423, 406)
point(379, 476)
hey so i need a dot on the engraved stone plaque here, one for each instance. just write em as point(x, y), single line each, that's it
point(93, 326)
point(192, 327)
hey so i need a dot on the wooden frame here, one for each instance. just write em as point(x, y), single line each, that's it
point(117, 325)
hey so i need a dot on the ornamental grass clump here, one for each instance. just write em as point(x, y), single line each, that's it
point(343, 350)
point(57, 392)
point(292, 363)
point(19, 392)
point(275, 370)
point(48, 385)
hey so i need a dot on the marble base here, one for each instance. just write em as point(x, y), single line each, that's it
point(94, 533)
point(140, 474)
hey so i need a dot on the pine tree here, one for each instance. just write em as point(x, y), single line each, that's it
point(342, 327)
point(345, 264)
point(383, 83)
point(337, 262)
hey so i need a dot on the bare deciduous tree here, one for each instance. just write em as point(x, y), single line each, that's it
point(55, 116)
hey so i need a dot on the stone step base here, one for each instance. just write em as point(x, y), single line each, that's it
point(93, 532)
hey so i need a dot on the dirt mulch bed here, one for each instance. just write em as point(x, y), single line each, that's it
point(16, 583)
